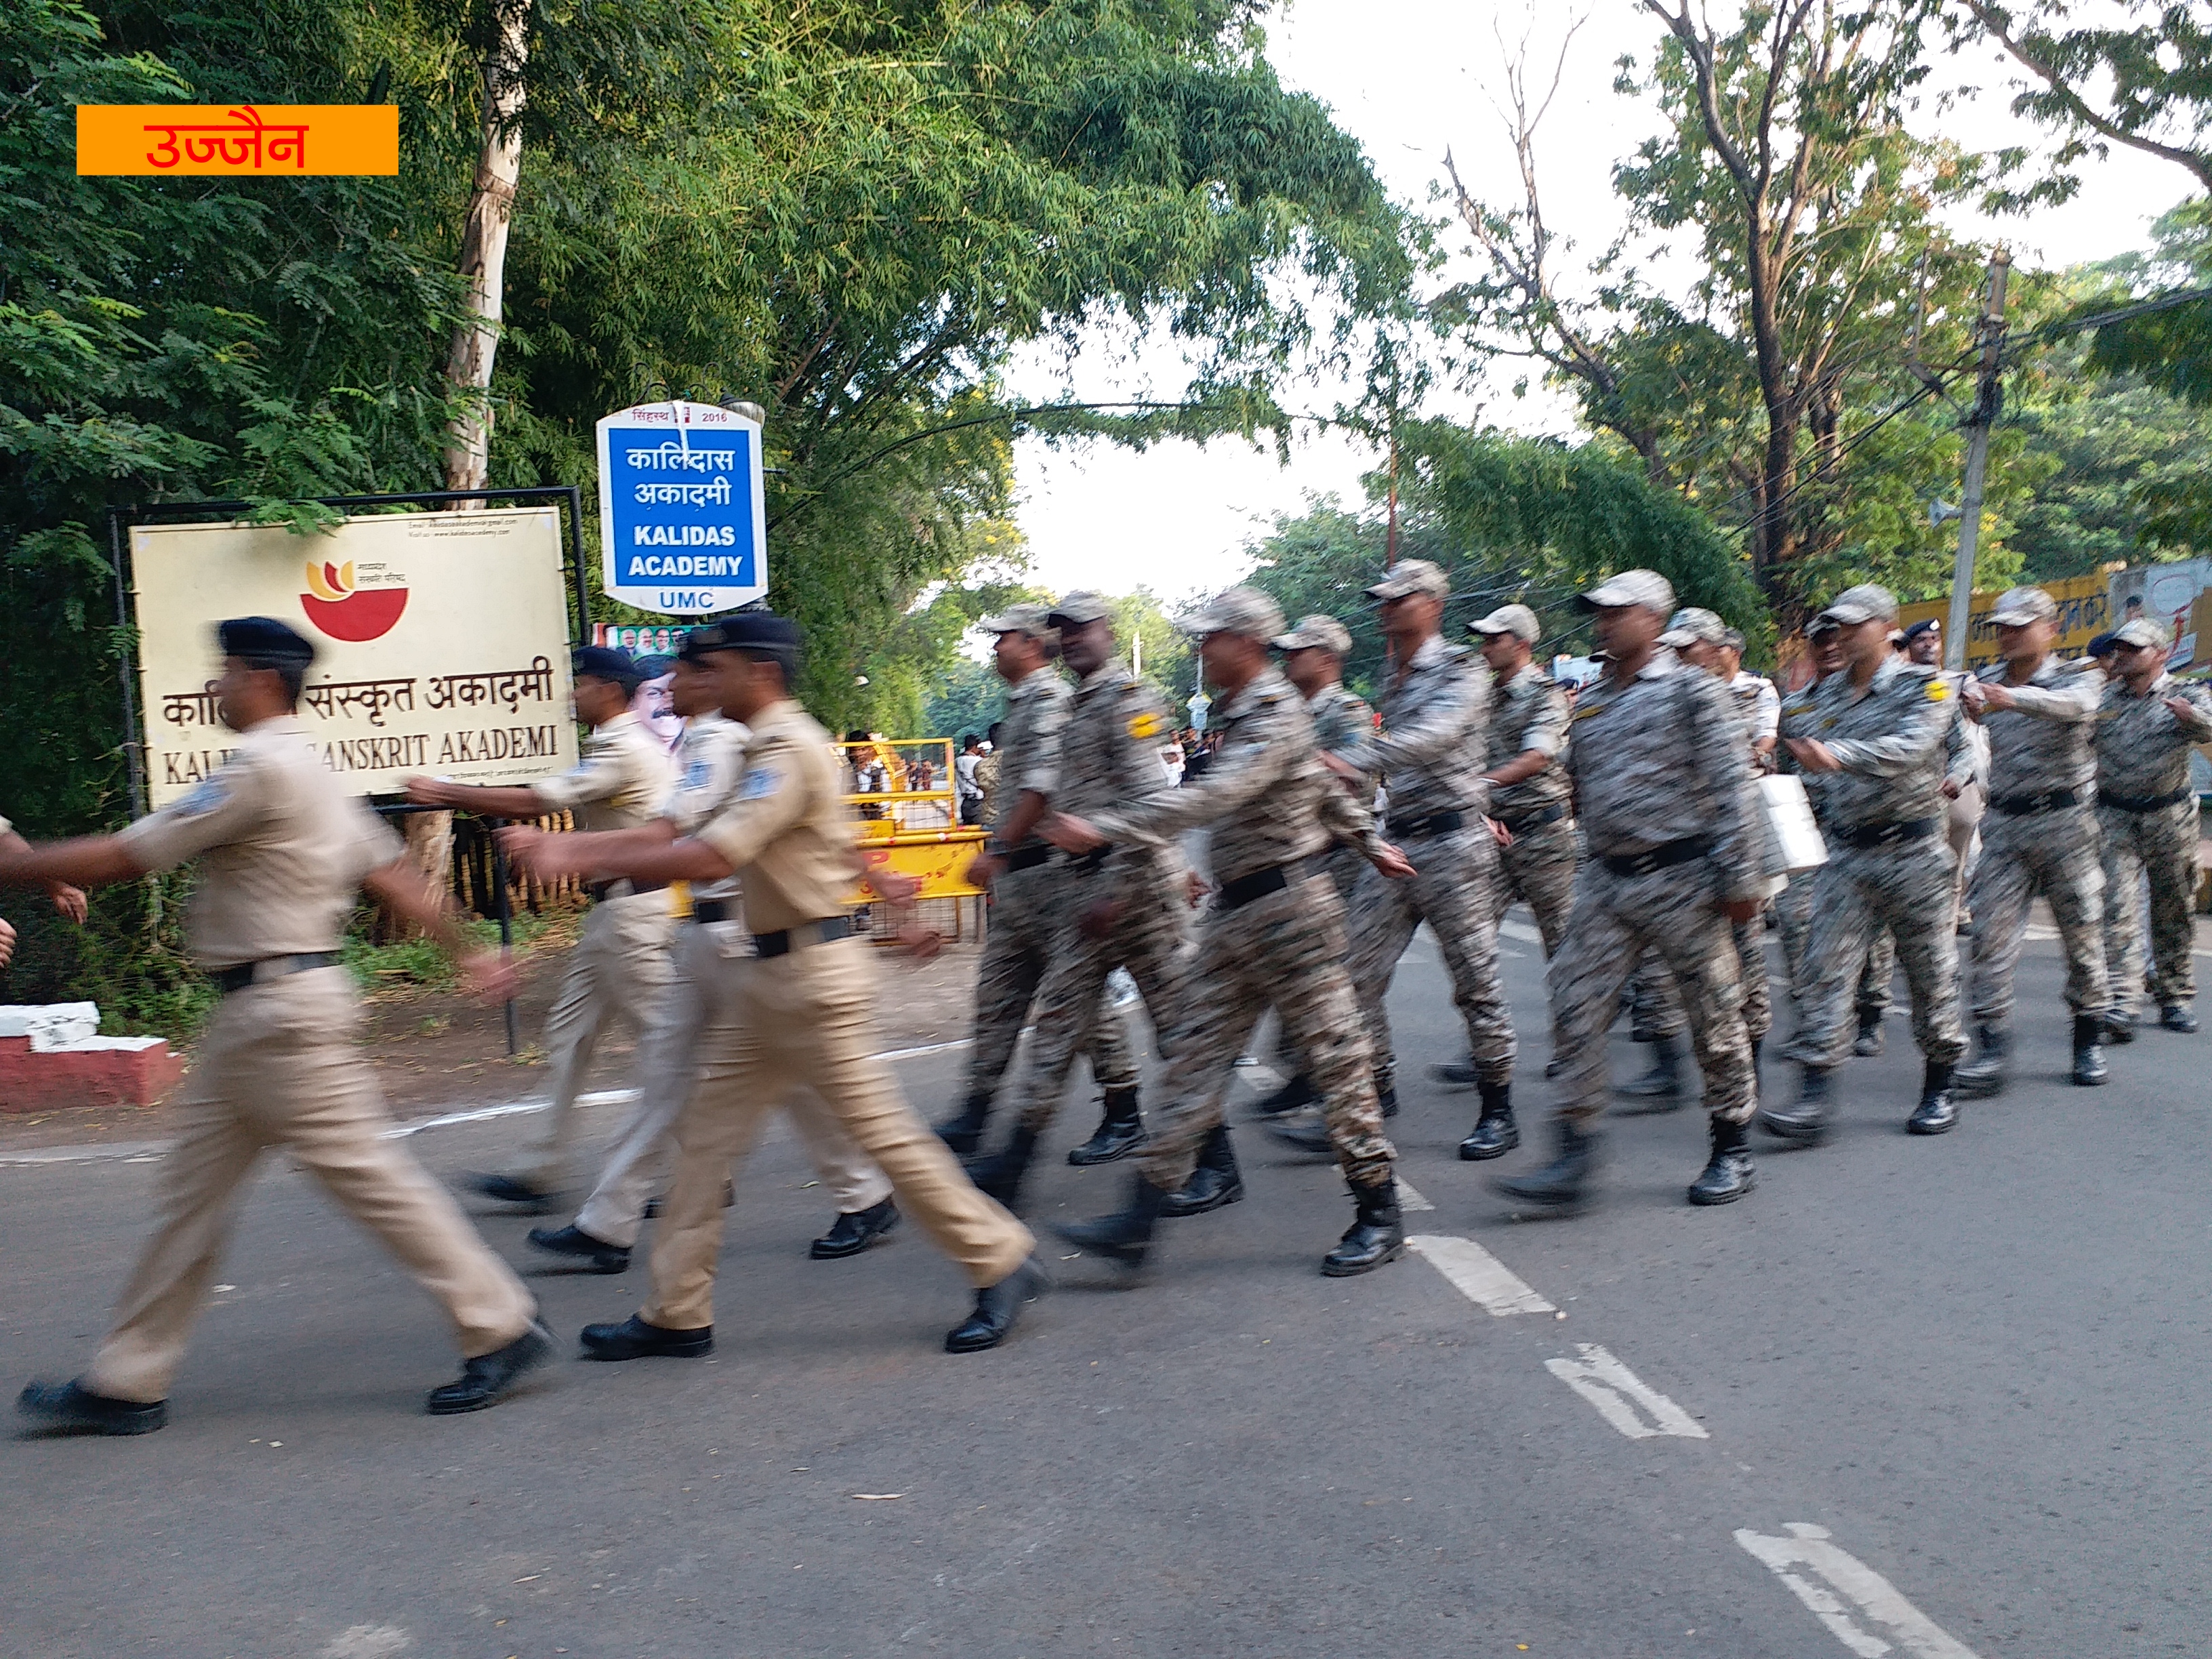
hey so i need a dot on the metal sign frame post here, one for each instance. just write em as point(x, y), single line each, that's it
point(134, 741)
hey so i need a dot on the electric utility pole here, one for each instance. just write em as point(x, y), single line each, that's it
point(1989, 399)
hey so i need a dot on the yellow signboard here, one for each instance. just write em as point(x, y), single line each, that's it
point(158, 140)
point(2085, 610)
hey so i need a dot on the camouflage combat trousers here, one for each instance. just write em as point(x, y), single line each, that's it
point(1903, 891)
point(1456, 889)
point(1615, 920)
point(1147, 938)
point(1285, 950)
point(1026, 913)
point(1792, 905)
point(1539, 869)
point(2024, 854)
point(1656, 1002)
point(2162, 846)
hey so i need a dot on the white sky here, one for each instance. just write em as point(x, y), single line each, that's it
point(1410, 78)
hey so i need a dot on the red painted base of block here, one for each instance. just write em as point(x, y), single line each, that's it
point(99, 1077)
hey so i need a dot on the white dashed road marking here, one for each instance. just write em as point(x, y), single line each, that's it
point(1410, 1199)
point(1853, 1597)
point(1478, 1275)
point(1618, 1392)
point(1520, 930)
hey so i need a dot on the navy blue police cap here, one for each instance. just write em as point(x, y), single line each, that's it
point(264, 643)
point(1926, 625)
point(748, 630)
point(605, 663)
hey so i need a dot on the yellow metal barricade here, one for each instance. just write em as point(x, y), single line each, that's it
point(908, 811)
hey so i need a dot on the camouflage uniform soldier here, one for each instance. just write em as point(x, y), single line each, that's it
point(1703, 641)
point(1275, 935)
point(2040, 834)
point(1121, 906)
point(2148, 816)
point(1875, 732)
point(1793, 906)
point(1436, 709)
point(1344, 726)
point(1028, 897)
point(1656, 754)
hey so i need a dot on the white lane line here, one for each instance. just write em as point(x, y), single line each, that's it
point(485, 1114)
point(1851, 1584)
point(1617, 1391)
point(1410, 1199)
point(1478, 1275)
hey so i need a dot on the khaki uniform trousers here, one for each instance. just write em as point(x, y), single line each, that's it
point(1962, 820)
point(806, 1017)
point(698, 1000)
point(620, 966)
point(278, 1066)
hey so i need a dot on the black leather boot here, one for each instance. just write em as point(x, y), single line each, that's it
point(635, 1339)
point(1495, 1132)
point(1297, 1092)
point(1124, 1236)
point(507, 1189)
point(2177, 1017)
point(1727, 1174)
point(1000, 1175)
point(490, 1377)
point(855, 1230)
point(1213, 1183)
point(1806, 1120)
point(1377, 1233)
point(997, 1308)
point(1868, 1043)
point(577, 1244)
point(1458, 1072)
point(963, 1131)
point(2088, 1050)
point(1935, 1114)
point(1662, 1086)
point(1308, 1133)
point(1985, 1075)
point(73, 1407)
point(1119, 1134)
point(1564, 1181)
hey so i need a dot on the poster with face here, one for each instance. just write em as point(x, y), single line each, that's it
point(654, 705)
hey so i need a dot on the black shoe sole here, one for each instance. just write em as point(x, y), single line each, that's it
point(598, 1262)
point(1227, 1196)
point(1090, 1155)
point(1914, 1126)
point(36, 1422)
point(1470, 1153)
point(2096, 1082)
point(1796, 1136)
point(1350, 1270)
point(693, 1350)
point(1713, 1201)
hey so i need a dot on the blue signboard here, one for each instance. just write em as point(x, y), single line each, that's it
point(680, 508)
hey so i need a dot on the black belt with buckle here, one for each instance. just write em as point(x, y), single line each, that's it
point(1437, 824)
point(599, 890)
point(2048, 801)
point(228, 980)
point(1533, 821)
point(1234, 895)
point(825, 931)
point(1028, 859)
point(1865, 836)
point(712, 910)
point(2145, 803)
point(1663, 857)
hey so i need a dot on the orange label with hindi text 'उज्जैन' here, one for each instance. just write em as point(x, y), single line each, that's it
point(156, 141)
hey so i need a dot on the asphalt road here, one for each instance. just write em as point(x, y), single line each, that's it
point(1920, 1397)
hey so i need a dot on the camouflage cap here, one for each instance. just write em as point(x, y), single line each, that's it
point(1694, 625)
point(1079, 610)
point(1645, 587)
point(2142, 630)
point(1325, 633)
point(1034, 620)
point(1518, 620)
point(2018, 606)
point(1867, 602)
point(1242, 610)
point(1411, 576)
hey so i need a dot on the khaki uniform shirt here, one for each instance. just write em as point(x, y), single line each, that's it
point(2046, 742)
point(1529, 711)
point(785, 828)
point(707, 759)
point(2143, 749)
point(1890, 744)
point(282, 850)
point(1028, 754)
point(1660, 759)
point(1434, 735)
point(622, 782)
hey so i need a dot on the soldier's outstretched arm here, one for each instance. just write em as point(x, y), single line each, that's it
point(1438, 728)
point(1240, 773)
point(400, 887)
point(86, 861)
point(2071, 704)
point(1917, 739)
point(648, 853)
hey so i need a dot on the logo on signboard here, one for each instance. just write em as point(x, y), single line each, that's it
point(343, 611)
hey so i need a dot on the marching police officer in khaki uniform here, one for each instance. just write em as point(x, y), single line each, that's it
point(802, 984)
point(281, 854)
point(621, 962)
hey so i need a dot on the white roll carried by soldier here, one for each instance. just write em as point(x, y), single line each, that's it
point(282, 852)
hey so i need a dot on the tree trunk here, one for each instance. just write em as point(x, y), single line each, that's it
point(483, 249)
